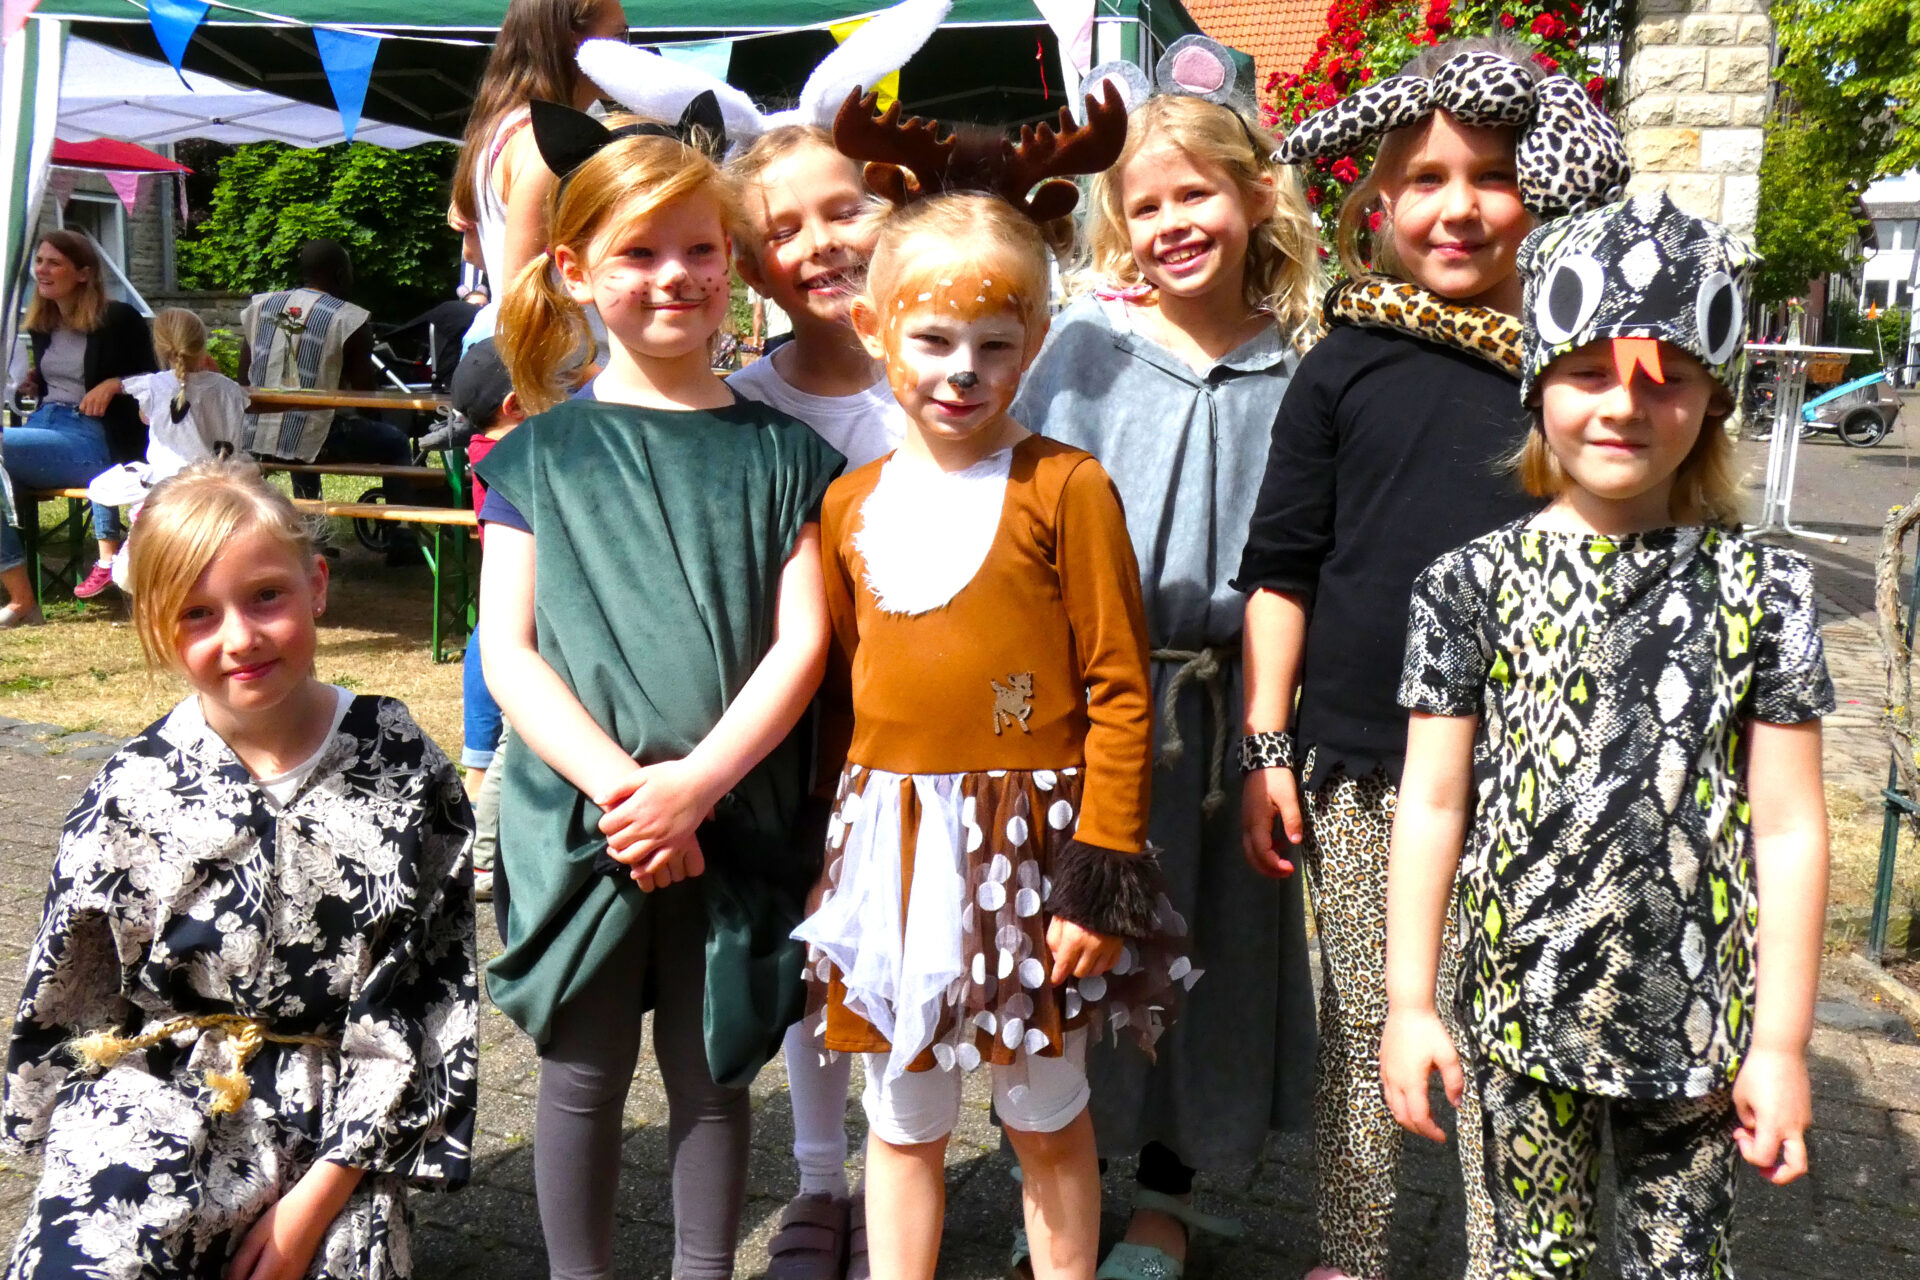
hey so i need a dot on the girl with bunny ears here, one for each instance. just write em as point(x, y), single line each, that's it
point(1385, 453)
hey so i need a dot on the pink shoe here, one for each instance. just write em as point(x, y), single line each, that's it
point(96, 581)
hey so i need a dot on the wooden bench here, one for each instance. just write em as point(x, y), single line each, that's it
point(372, 470)
point(455, 591)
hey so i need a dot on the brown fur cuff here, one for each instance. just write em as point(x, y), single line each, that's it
point(1106, 891)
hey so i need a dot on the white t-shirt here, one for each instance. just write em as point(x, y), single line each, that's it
point(216, 411)
point(867, 425)
point(283, 787)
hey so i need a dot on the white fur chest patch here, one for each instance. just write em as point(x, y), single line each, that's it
point(924, 532)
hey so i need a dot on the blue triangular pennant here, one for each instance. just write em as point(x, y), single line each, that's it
point(713, 57)
point(348, 59)
point(174, 22)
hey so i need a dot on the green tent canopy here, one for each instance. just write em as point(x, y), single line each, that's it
point(994, 61)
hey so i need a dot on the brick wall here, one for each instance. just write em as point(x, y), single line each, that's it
point(1696, 98)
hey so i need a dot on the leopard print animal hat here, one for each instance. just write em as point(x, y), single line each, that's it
point(1637, 269)
point(1570, 155)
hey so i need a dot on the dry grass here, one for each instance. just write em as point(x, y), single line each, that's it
point(83, 669)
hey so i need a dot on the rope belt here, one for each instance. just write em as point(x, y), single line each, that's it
point(231, 1089)
point(1208, 667)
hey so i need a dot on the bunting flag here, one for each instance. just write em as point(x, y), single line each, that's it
point(174, 22)
point(709, 57)
point(125, 185)
point(13, 16)
point(347, 57)
point(889, 86)
point(1072, 23)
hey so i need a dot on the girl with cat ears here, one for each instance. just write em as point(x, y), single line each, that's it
point(1380, 460)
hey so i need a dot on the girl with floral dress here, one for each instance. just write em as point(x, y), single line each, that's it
point(1616, 713)
point(1207, 285)
point(248, 1019)
point(653, 624)
point(990, 895)
point(1386, 452)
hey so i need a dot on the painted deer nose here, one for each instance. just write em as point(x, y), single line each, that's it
point(965, 380)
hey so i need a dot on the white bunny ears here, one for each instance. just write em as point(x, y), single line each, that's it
point(657, 88)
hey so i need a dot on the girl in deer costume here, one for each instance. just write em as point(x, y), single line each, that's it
point(990, 898)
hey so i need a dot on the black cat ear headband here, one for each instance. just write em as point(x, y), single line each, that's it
point(568, 139)
point(1570, 155)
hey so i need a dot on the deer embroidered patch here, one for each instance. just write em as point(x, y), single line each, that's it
point(1012, 701)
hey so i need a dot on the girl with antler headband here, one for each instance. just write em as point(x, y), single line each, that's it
point(1206, 283)
point(1385, 453)
point(991, 899)
point(653, 661)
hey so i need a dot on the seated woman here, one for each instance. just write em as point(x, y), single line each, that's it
point(83, 345)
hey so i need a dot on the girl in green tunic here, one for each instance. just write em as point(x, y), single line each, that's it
point(653, 625)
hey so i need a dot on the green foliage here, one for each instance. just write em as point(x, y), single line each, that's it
point(1855, 330)
point(224, 346)
point(1848, 112)
point(387, 207)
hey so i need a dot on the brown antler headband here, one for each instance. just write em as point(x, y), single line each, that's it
point(910, 160)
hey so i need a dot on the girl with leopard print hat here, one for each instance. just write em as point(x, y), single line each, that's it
point(1384, 454)
point(1616, 713)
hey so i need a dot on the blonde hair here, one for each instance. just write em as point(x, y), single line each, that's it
point(180, 341)
point(1706, 487)
point(769, 149)
point(1361, 251)
point(88, 308)
point(965, 228)
point(1283, 250)
point(542, 330)
point(186, 521)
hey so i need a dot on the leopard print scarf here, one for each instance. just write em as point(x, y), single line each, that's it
point(1375, 303)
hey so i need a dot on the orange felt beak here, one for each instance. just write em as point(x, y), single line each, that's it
point(1642, 353)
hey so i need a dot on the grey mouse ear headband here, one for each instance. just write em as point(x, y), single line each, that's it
point(1570, 155)
point(1191, 67)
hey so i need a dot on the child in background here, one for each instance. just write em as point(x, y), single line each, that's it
point(991, 898)
point(1207, 280)
point(652, 661)
point(1386, 453)
point(192, 412)
point(810, 228)
point(1616, 709)
point(482, 393)
point(248, 1019)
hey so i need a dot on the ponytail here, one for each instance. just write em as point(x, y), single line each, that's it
point(180, 339)
point(541, 331)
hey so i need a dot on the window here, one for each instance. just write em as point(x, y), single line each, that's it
point(105, 219)
point(1886, 234)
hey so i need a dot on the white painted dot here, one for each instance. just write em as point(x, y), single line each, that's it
point(1032, 973)
point(1180, 968)
point(979, 968)
point(1000, 868)
point(1036, 1040)
point(943, 1056)
point(1094, 988)
point(991, 896)
point(1016, 831)
point(1026, 904)
point(975, 837)
point(1045, 779)
point(926, 297)
point(1011, 1033)
point(1059, 815)
point(1073, 1002)
point(986, 1021)
point(1005, 966)
point(1119, 1018)
point(1125, 964)
point(1019, 1005)
point(967, 1055)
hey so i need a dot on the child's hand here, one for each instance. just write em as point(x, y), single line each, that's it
point(1412, 1047)
point(281, 1244)
point(666, 864)
point(1080, 952)
point(654, 809)
point(1267, 794)
point(1774, 1101)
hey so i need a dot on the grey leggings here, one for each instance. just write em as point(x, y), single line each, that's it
point(585, 1071)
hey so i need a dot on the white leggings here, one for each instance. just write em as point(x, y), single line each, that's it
point(923, 1106)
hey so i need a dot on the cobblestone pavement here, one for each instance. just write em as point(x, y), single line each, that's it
point(1856, 1218)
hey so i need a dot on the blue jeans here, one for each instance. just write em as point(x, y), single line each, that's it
point(480, 713)
point(57, 447)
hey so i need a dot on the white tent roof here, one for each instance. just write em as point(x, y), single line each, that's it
point(108, 94)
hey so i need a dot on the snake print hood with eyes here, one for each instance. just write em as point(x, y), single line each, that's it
point(1375, 302)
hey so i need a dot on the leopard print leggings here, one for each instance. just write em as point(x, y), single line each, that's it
point(1356, 1141)
point(1676, 1160)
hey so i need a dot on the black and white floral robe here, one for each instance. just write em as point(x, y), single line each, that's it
point(180, 889)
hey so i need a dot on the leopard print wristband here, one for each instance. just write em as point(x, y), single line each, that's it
point(1266, 751)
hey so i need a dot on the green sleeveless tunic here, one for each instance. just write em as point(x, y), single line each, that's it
point(659, 538)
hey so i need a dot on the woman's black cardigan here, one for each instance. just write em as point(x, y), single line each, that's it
point(121, 347)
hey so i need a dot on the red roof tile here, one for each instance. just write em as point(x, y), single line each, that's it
point(1277, 34)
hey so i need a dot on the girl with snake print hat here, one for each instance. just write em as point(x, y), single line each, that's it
point(1616, 712)
point(1386, 452)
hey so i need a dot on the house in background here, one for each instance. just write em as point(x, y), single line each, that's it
point(1887, 276)
point(1277, 34)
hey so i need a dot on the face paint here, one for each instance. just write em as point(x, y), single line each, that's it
point(1631, 353)
point(955, 349)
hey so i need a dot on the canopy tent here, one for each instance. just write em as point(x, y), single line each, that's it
point(994, 61)
point(110, 156)
point(105, 93)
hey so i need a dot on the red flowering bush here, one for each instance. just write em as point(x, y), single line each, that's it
point(1366, 40)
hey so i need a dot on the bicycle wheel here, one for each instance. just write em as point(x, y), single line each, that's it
point(372, 534)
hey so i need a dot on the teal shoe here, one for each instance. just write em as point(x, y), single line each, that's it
point(1128, 1261)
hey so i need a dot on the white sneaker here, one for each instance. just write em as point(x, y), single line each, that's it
point(482, 886)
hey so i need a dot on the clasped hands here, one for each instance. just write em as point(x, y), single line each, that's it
point(649, 818)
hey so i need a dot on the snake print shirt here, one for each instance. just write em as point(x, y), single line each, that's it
point(1608, 903)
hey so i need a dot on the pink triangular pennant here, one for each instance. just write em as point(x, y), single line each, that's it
point(126, 186)
point(13, 16)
